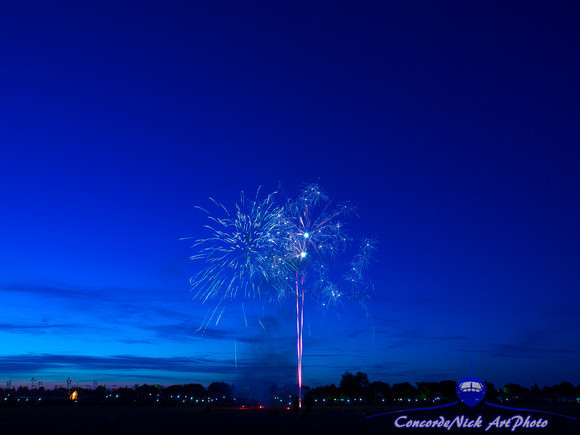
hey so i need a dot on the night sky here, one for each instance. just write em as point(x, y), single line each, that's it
point(453, 127)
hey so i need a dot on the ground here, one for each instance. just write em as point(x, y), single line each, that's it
point(113, 420)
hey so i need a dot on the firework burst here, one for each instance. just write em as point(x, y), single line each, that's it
point(238, 254)
point(273, 248)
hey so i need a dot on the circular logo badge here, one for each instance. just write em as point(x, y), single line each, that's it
point(471, 390)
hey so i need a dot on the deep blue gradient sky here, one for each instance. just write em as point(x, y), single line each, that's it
point(454, 127)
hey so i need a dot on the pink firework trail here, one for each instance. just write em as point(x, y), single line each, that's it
point(299, 329)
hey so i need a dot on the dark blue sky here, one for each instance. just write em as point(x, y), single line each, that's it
point(453, 127)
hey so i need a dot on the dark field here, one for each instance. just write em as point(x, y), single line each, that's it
point(189, 420)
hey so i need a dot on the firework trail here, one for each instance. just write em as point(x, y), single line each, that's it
point(267, 252)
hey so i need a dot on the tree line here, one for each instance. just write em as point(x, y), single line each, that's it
point(354, 388)
point(357, 388)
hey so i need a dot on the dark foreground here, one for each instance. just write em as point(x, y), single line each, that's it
point(77, 420)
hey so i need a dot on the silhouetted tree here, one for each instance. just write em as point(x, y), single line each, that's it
point(352, 385)
point(126, 394)
point(515, 391)
point(428, 390)
point(219, 390)
point(403, 391)
point(173, 390)
point(491, 392)
point(565, 389)
point(146, 389)
point(101, 391)
point(447, 389)
point(147, 393)
point(197, 391)
point(325, 394)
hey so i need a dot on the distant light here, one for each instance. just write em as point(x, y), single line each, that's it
point(303, 254)
point(306, 235)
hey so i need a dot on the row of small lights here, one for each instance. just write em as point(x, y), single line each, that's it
point(416, 400)
point(177, 397)
point(210, 400)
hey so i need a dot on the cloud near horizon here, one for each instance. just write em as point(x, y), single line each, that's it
point(25, 366)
